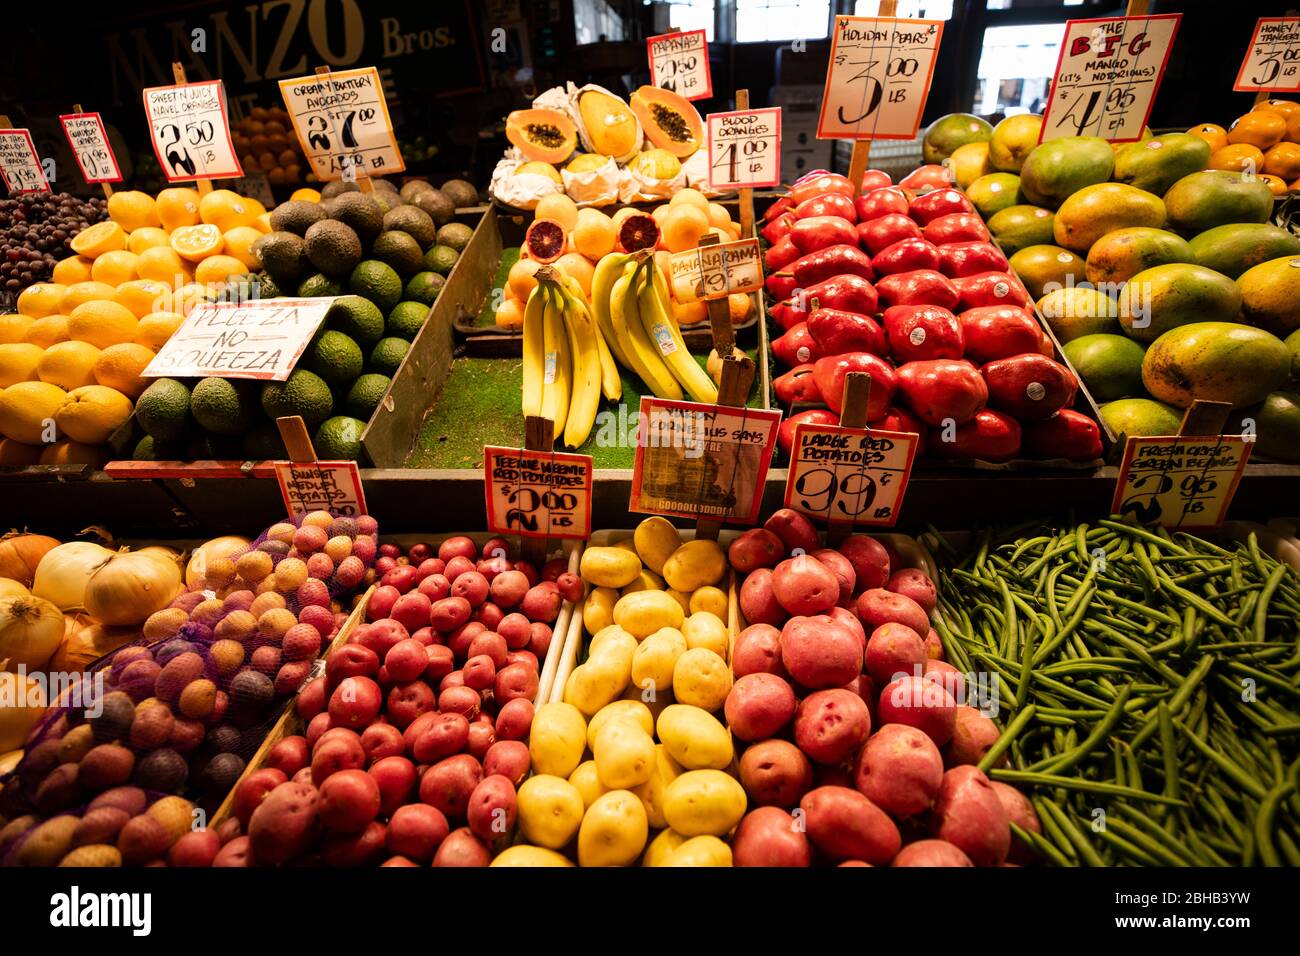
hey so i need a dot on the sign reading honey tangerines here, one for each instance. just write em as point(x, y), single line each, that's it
point(257, 339)
point(333, 486)
point(878, 77)
point(1272, 62)
point(19, 164)
point(537, 494)
point(679, 63)
point(342, 122)
point(190, 128)
point(1179, 481)
point(744, 149)
point(1107, 75)
point(849, 476)
point(716, 271)
point(89, 142)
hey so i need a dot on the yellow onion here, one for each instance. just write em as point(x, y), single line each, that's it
point(11, 588)
point(62, 574)
point(214, 552)
point(22, 704)
point(30, 632)
point(130, 586)
point(85, 641)
point(21, 553)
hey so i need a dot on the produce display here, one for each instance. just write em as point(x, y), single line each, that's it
point(37, 232)
point(264, 140)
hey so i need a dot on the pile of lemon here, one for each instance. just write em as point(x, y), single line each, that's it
point(71, 357)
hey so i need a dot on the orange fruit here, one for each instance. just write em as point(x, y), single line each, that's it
point(1237, 157)
point(196, 243)
point(21, 362)
point(119, 366)
point(72, 269)
point(559, 207)
point(155, 329)
point(178, 206)
point(76, 453)
point(82, 292)
point(14, 326)
point(68, 364)
point(47, 331)
point(510, 314)
point(683, 225)
point(579, 268)
point(92, 413)
point(1284, 107)
point(740, 304)
point(239, 243)
point(94, 241)
point(522, 278)
point(1212, 133)
point(1262, 129)
point(162, 264)
point(1276, 183)
point(101, 323)
point(217, 269)
point(114, 268)
point(1283, 160)
point(1293, 129)
point(689, 313)
point(226, 210)
point(146, 238)
point(143, 296)
point(188, 296)
point(719, 215)
point(42, 299)
point(132, 209)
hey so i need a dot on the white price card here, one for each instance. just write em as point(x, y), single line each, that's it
point(744, 149)
point(342, 122)
point(258, 339)
point(849, 476)
point(1107, 75)
point(716, 271)
point(537, 494)
point(190, 127)
point(679, 62)
point(878, 77)
point(1272, 62)
point(333, 486)
point(89, 142)
point(19, 164)
point(1180, 482)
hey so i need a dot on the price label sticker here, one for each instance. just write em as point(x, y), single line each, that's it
point(1107, 75)
point(878, 77)
point(342, 122)
point(852, 476)
point(744, 149)
point(333, 486)
point(190, 127)
point(89, 142)
point(679, 62)
point(1272, 62)
point(716, 271)
point(537, 494)
point(702, 461)
point(261, 339)
point(19, 164)
point(1180, 481)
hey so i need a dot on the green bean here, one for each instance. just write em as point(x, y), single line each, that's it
point(1264, 818)
point(1266, 595)
point(1008, 735)
point(1072, 832)
point(1239, 776)
point(1080, 783)
point(1040, 845)
point(1153, 847)
point(1135, 854)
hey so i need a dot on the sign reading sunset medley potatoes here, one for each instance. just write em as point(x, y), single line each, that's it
point(191, 131)
point(1272, 61)
point(342, 123)
point(537, 494)
point(679, 62)
point(851, 476)
point(1178, 481)
point(744, 149)
point(333, 486)
point(19, 164)
point(878, 77)
point(89, 142)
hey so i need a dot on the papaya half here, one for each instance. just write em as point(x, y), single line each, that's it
point(547, 136)
point(669, 120)
point(611, 128)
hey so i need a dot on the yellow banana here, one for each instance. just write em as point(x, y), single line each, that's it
point(610, 383)
point(607, 272)
point(666, 334)
point(534, 347)
point(557, 369)
point(585, 398)
point(624, 313)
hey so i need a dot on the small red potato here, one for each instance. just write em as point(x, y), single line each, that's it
point(489, 615)
point(396, 778)
point(196, 848)
point(755, 548)
point(758, 601)
point(515, 719)
point(382, 740)
point(462, 848)
point(492, 644)
point(472, 586)
point(758, 651)
point(311, 699)
point(479, 672)
point(934, 646)
point(441, 661)
point(831, 725)
point(876, 606)
point(570, 587)
point(406, 660)
point(870, 560)
point(794, 530)
point(510, 759)
point(893, 650)
point(770, 836)
point(972, 736)
point(804, 586)
point(408, 701)
point(775, 773)
point(412, 610)
point(842, 568)
point(946, 676)
point(481, 737)
point(458, 546)
point(514, 629)
point(284, 825)
point(449, 614)
point(380, 636)
point(542, 602)
point(845, 825)
point(970, 816)
point(348, 801)
point(381, 602)
point(820, 652)
point(539, 639)
point(355, 702)
point(931, 853)
point(759, 705)
point(416, 831)
point(919, 703)
point(237, 852)
point(449, 783)
point(459, 565)
point(435, 587)
point(508, 588)
point(350, 660)
point(899, 770)
point(915, 584)
point(444, 736)
point(491, 810)
point(459, 699)
point(336, 754)
point(1020, 812)
point(252, 790)
point(515, 682)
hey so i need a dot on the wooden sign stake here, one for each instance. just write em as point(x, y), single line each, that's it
point(1204, 418)
point(746, 192)
point(724, 337)
point(736, 380)
point(362, 180)
point(539, 435)
point(853, 404)
point(4, 122)
point(862, 147)
point(107, 187)
point(178, 75)
point(297, 440)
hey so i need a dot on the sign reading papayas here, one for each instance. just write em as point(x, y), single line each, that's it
point(1272, 62)
point(191, 131)
point(679, 62)
point(342, 123)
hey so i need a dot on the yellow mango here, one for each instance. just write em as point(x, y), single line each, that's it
point(644, 612)
point(656, 539)
point(696, 564)
point(694, 738)
point(704, 802)
point(609, 567)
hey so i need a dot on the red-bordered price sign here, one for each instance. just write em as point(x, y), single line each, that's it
point(537, 494)
point(1107, 75)
point(343, 124)
point(849, 476)
point(1180, 482)
point(89, 142)
point(716, 271)
point(333, 486)
point(1272, 62)
point(679, 62)
point(744, 149)
point(191, 131)
point(19, 164)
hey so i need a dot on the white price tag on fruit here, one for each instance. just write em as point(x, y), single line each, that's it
point(537, 494)
point(716, 271)
point(191, 131)
point(19, 164)
point(1272, 62)
point(333, 486)
point(342, 122)
point(851, 476)
point(878, 77)
point(1107, 75)
point(1180, 482)
point(89, 142)
point(679, 63)
point(259, 339)
point(744, 149)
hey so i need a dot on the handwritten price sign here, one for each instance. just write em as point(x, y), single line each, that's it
point(333, 486)
point(679, 62)
point(716, 271)
point(19, 164)
point(878, 77)
point(744, 149)
point(89, 142)
point(537, 494)
point(1180, 482)
point(1272, 61)
point(853, 476)
point(1107, 76)
point(191, 131)
point(342, 123)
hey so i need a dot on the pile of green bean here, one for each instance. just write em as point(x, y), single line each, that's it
point(1149, 689)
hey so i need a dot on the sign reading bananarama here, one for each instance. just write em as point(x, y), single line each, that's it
point(342, 122)
point(716, 271)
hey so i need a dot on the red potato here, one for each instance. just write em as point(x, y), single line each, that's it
point(441, 661)
point(382, 740)
point(755, 548)
point(514, 719)
point(490, 643)
point(435, 587)
point(197, 848)
point(759, 705)
point(462, 848)
point(915, 584)
point(542, 602)
point(348, 801)
point(820, 652)
point(458, 546)
point(769, 836)
point(316, 727)
point(449, 783)
point(946, 676)
point(289, 755)
point(380, 636)
point(570, 587)
point(449, 613)
point(311, 699)
point(804, 586)
point(1020, 812)
point(396, 777)
point(758, 601)
point(539, 639)
point(479, 672)
point(919, 703)
point(831, 725)
point(460, 639)
point(508, 758)
point(472, 586)
point(416, 831)
point(459, 565)
point(894, 649)
point(355, 702)
point(285, 824)
point(931, 853)
point(877, 606)
point(412, 610)
point(842, 568)
point(969, 814)
point(237, 852)
point(794, 530)
point(381, 602)
point(775, 773)
point(445, 735)
point(481, 737)
point(870, 561)
point(933, 646)
point(845, 825)
point(850, 620)
point(514, 630)
point(406, 660)
point(408, 701)
point(758, 651)
point(401, 576)
point(458, 699)
point(492, 809)
point(491, 567)
point(351, 850)
point(251, 791)
point(350, 660)
point(337, 754)
point(972, 736)
point(899, 770)
point(100, 826)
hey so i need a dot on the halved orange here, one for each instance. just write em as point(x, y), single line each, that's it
point(196, 243)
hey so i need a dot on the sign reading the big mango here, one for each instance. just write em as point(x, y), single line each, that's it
point(1107, 75)
point(1180, 481)
point(1272, 63)
point(342, 123)
point(878, 77)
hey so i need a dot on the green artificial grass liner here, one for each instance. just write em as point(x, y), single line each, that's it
point(487, 316)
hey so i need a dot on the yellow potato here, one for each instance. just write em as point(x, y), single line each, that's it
point(661, 848)
point(644, 612)
point(645, 581)
point(609, 567)
point(703, 802)
point(594, 684)
point(550, 810)
point(683, 599)
point(652, 700)
point(633, 709)
point(613, 831)
point(702, 678)
point(530, 856)
point(696, 564)
point(652, 791)
point(705, 629)
point(598, 611)
point(652, 664)
point(557, 739)
point(700, 851)
point(656, 539)
point(628, 545)
point(694, 738)
point(587, 782)
point(612, 641)
point(711, 599)
point(624, 754)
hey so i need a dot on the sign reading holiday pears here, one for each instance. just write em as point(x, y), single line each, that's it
point(190, 128)
point(89, 142)
point(342, 122)
point(1272, 63)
